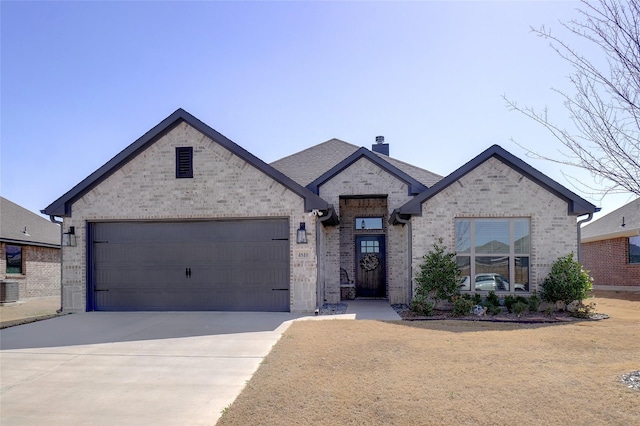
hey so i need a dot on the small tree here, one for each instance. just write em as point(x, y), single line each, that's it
point(567, 282)
point(439, 274)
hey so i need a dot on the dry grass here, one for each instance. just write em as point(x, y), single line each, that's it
point(340, 372)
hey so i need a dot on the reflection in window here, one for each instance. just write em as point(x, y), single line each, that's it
point(368, 223)
point(495, 252)
point(634, 249)
point(14, 259)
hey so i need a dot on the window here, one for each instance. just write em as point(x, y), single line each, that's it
point(184, 162)
point(368, 223)
point(14, 259)
point(634, 249)
point(495, 252)
point(369, 246)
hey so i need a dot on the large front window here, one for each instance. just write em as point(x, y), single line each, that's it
point(495, 252)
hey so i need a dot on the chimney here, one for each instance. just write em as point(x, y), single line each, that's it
point(380, 147)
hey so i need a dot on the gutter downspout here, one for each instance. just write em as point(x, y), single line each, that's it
point(580, 222)
point(52, 218)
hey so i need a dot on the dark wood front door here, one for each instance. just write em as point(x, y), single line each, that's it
point(370, 266)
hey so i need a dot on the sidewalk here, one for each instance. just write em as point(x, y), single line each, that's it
point(28, 310)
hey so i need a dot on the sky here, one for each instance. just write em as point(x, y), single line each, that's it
point(80, 81)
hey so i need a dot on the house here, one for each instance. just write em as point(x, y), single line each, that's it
point(611, 249)
point(29, 251)
point(185, 219)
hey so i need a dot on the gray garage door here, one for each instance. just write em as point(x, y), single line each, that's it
point(213, 265)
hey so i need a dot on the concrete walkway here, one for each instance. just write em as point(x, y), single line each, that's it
point(372, 310)
point(132, 368)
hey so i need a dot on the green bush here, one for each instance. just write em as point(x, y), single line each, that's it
point(462, 306)
point(421, 305)
point(567, 282)
point(509, 301)
point(493, 299)
point(534, 302)
point(519, 307)
point(494, 310)
point(439, 275)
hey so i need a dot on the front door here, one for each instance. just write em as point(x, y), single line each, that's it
point(370, 266)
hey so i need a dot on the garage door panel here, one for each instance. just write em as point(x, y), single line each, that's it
point(191, 265)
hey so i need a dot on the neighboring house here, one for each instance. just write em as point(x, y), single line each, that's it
point(185, 219)
point(611, 249)
point(29, 251)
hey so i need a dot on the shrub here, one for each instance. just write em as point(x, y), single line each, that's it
point(566, 282)
point(421, 305)
point(494, 310)
point(519, 307)
point(462, 306)
point(509, 301)
point(439, 275)
point(493, 299)
point(534, 302)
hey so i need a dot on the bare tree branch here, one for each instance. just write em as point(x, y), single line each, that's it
point(605, 104)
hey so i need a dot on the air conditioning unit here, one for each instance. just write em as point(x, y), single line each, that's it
point(9, 292)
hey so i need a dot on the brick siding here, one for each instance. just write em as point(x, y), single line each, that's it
point(495, 190)
point(223, 186)
point(608, 262)
point(40, 271)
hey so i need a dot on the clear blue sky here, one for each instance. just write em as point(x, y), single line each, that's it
point(83, 80)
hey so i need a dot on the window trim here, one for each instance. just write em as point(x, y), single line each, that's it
point(184, 153)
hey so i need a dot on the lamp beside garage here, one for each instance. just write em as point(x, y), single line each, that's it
point(301, 234)
point(69, 237)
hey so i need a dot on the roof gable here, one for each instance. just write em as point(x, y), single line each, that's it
point(62, 206)
point(576, 205)
point(414, 187)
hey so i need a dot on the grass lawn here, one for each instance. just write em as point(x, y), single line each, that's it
point(345, 372)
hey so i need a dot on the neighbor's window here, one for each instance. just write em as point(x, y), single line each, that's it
point(184, 162)
point(634, 249)
point(14, 259)
point(368, 223)
point(495, 252)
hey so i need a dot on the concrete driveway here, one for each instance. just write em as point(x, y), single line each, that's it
point(102, 368)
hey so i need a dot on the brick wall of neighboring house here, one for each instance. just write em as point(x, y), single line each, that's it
point(223, 186)
point(40, 271)
point(608, 262)
point(360, 179)
point(494, 190)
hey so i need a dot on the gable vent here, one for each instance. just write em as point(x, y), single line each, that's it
point(184, 162)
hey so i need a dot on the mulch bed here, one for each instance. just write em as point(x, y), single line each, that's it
point(505, 317)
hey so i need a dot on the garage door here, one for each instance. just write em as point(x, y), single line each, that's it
point(235, 265)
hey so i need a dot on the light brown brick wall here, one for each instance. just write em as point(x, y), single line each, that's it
point(608, 262)
point(495, 190)
point(223, 186)
point(40, 271)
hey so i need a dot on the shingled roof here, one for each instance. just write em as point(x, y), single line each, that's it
point(21, 226)
point(307, 165)
point(610, 225)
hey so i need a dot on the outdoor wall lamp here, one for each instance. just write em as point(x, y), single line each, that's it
point(69, 237)
point(301, 234)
